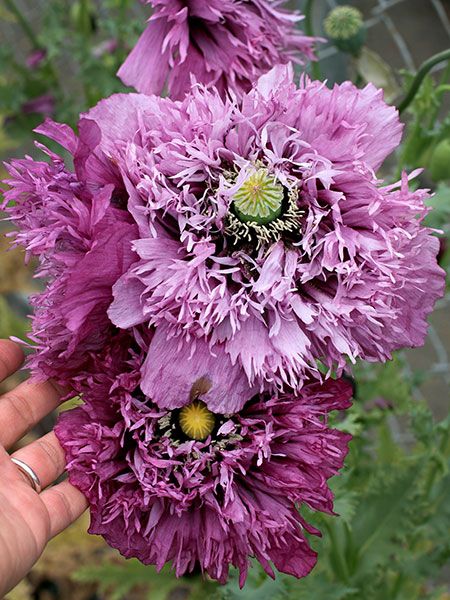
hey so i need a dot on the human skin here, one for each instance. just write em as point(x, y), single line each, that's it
point(29, 520)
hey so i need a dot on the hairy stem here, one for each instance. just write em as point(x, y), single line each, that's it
point(84, 19)
point(309, 30)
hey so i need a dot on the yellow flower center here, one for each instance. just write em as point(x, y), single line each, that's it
point(196, 421)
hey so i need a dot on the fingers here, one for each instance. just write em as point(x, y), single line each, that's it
point(11, 358)
point(20, 410)
point(64, 504)
point(45, 456)
point(23, 407)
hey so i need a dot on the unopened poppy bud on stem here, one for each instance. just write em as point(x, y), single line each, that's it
point(345, 27)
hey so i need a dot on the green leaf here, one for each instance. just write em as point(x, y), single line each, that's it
point(373, 69)
point(439, 217)
point(318, 588)
point(258, 587)
point(119, 579)
point(346, 505)
point(381, 516)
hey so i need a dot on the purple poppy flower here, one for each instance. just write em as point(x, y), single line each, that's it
point(223, 43)
point(264, 234)
point(36, 58)
point(83, 241)
point(77, 224)
point(45, 105)
point(262, 242)
point(204, 490)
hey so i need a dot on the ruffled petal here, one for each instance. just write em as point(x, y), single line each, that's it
point(176, 372)
point(147, 64)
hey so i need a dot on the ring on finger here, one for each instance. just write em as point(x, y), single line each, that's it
point(29, 473)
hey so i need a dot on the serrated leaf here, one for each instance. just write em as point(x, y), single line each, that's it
point(258, 587)
point(318, 588)
point(117, 579)
point(380, 516)
point(388, 381)
point(345, 506)
point(350, 424)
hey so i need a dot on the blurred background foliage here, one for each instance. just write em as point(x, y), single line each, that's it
point(391, 539)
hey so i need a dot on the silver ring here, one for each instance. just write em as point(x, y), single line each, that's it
point(29, 473)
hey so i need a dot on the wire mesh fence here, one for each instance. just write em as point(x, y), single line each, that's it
point(403, 32)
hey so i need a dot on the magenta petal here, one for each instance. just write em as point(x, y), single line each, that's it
point(222, 43)
point(146, 66)
point(174, 370)
point(104, 264)
point(60, 133)
point(119, 119)
point(383, 130)
point(294, 558)
point(126, 310)
point(88, 161)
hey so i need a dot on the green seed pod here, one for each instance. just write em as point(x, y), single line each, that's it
point(344, 26)
point(259, 199)
point(440, 162)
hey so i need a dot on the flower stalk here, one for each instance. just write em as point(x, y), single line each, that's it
point(23, 22)
point(309, 30)
point(420, 76)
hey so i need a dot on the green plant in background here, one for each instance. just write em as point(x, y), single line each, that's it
point(71, 64)
point(427, 140)
point(428, 134)
point(391, 541)
point(117, 578)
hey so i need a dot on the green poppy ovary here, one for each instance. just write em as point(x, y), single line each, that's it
point(259, 199)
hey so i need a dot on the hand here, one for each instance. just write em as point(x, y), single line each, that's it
point(28, 520)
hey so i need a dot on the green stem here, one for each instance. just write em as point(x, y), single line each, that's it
point(399, 580)
point(337, 555)
point(420, 76)
point(442, 448)
point(444, 79)
point(121, 32)
point(309, 30)
point(84, 22)
point(23, 22)
point(445, 75)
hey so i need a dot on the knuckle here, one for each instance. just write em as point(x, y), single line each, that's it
point(9, 353)
point(4, 366)
point(66, 510)
point(55, 457)
point(19, 410)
